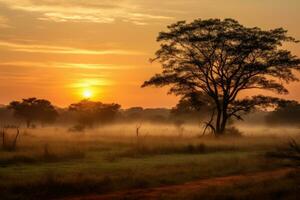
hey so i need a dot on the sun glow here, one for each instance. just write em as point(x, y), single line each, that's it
point(87, 94)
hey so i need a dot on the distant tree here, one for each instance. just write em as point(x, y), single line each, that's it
point(192, 107)
point(221, 58)
point(34, 110)
point(133, 113)
point(287, 113)
point(90, 113)
point(6, 115)
point(139, 114)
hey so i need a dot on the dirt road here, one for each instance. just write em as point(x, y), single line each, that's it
point(190, 187)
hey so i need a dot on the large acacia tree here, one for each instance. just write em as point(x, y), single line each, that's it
point(219, 59)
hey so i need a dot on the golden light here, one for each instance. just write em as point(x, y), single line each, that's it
point(87, 93)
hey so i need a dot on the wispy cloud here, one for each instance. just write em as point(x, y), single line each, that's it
point(63, 17)
point(90, 82)
point(93, 11)
point(36, 48)
point(61, 65)
point(53, 74)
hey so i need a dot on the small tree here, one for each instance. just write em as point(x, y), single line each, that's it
point(9, 145)
point(33, 109)
point(219, 59)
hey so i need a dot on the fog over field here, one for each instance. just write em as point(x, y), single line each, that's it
point(95, 150)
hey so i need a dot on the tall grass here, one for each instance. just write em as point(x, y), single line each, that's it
point(286, 187)
point(53, 162)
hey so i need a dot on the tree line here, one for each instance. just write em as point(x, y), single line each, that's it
point(33, 112)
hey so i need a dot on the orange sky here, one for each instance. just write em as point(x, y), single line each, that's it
point(54, 49)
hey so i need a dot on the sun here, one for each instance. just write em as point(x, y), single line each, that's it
point(87, 93)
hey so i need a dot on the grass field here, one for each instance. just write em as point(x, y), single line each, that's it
point(286, 187)
point(52, 163)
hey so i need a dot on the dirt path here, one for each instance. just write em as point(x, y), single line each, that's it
point(194, 186)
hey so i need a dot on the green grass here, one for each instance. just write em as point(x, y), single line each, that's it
point(48, 165)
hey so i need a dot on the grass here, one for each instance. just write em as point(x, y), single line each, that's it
point(286, 188)
point(15, 158)
point(52, 163)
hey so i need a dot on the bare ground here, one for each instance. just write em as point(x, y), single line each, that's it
point(189, 187)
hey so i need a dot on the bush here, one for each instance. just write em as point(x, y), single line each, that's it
point(290, 152)
point(141, 150)
point(233, 132)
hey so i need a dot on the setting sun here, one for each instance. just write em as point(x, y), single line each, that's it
point(87, 93)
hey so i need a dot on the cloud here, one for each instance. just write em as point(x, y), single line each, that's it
point(61, 65)
point(60, 17)
point(53, 74)
point(36, 48)
point(93, 11)
point(90, 82)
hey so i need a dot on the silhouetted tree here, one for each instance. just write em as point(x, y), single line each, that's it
point(90, 112)
point(192, 107)
point(139, 114)
point(221, 58)
point(33, 109)
point(287, 113)
point(6, 115)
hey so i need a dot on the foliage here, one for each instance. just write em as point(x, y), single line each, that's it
point(34, 110)
point(288, 113)
point(191, 107)
point(219, 59)
point(139, 114)
point(291, 152)
point(90, 112)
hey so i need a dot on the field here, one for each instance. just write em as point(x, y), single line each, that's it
point(54, 163)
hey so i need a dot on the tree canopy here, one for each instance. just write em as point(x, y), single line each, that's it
point(90, 113)
point(287, 113)
point(191, 107)
point(218, 59)
point(33, 109)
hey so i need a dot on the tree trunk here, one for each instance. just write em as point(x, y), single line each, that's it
point(224, 117)
point(221, 122)
point(14, 145)
point(218, 122)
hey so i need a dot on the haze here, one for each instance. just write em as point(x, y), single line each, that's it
point(59, 50)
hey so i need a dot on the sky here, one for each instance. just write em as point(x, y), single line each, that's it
point(61, 49)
